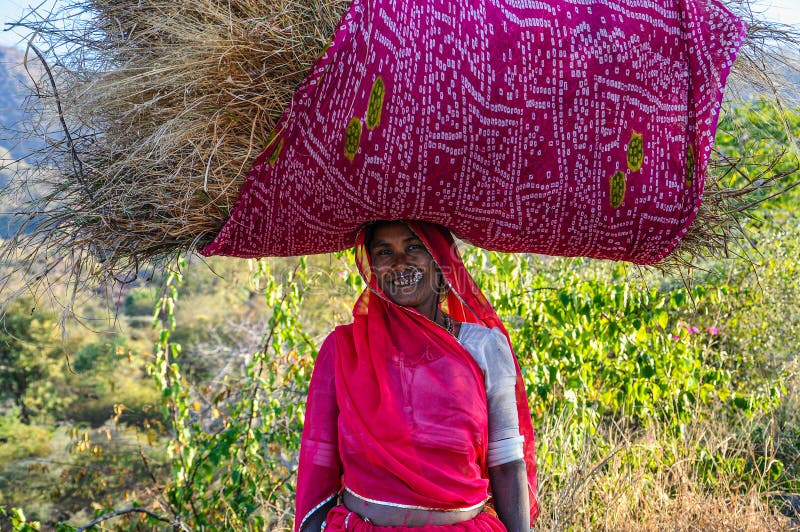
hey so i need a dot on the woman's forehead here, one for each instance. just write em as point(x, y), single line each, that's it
point(392, 232)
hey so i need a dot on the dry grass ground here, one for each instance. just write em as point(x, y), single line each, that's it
point(719, 474)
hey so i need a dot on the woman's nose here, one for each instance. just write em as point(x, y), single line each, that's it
point(399, 260)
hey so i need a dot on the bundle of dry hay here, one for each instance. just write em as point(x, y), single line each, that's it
point(157, 108)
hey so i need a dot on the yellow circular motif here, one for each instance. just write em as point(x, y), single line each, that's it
point(273, 158)
point(375, 107)
point(352, 138)
point(617, 189)
point(689, 166)
point(635, 152)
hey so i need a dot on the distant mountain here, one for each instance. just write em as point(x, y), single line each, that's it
point(15, 141)
point(14, 83)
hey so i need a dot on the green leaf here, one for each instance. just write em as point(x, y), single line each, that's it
point(662, 318)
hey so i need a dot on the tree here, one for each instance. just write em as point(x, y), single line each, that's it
point(31, 359)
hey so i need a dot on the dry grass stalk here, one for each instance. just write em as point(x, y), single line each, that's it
point(718, 230)
point(155, 109)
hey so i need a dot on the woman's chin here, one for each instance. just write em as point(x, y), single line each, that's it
point(404, 300)
point(407, 296)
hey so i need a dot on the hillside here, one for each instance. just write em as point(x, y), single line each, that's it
point(16, 139)
point(659, 404)
point(13, 114)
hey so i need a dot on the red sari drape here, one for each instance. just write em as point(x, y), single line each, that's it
point(409, 419)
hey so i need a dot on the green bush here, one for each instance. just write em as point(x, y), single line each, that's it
point(21, 441)
point(140, 301)
point(99, 357)
point(32, 360)
point(612, 348)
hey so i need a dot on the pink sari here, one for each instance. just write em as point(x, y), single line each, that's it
point(408, 425)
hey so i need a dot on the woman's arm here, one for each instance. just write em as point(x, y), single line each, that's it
point(507, 470)
point(510, 491)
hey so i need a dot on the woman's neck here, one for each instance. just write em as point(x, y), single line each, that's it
point(430, 309)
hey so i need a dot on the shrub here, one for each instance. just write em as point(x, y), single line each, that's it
point(19, 441)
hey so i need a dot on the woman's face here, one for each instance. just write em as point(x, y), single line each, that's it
point(403, 268)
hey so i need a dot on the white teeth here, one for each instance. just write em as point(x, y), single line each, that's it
point(408, 278)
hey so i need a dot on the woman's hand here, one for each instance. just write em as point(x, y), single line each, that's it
point(510, 491)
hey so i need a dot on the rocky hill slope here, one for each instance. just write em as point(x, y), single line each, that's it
point(16, 140)
point(13, 114)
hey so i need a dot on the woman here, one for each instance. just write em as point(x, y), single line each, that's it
point(416, 413)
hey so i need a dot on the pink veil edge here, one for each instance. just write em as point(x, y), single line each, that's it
point(317, 485)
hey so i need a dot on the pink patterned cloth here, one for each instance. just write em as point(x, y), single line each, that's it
point(564, 127)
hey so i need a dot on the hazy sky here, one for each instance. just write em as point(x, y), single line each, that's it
point(10, 10)
point(786, 11)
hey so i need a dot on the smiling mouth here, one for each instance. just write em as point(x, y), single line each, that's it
point(406, 278)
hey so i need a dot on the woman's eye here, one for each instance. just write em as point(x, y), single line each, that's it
point(383, 252)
